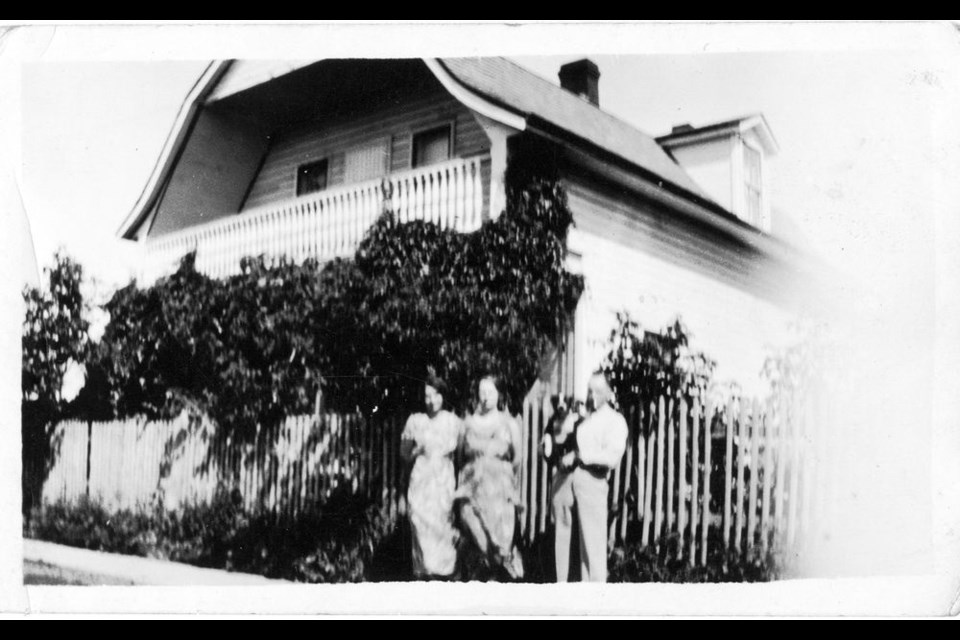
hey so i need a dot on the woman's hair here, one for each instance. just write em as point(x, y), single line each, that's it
point(435, 381)
point(498, 385)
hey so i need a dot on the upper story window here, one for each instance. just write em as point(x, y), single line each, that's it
point(312, 177)
point(753, 185)
point(367, 162)
point(432, 146)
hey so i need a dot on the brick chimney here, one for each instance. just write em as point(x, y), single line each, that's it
point(582, 78)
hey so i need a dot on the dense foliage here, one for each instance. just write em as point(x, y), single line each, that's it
point(643, 365)
point(262, 344)
point(245, 350)
point(351, 540)
point(492, 301)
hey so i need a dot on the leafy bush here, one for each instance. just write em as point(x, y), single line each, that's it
point(633, 562)
point(351, 540)
point(643, 365)
point(245, 350)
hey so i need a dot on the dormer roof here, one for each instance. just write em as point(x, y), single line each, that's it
point(686, 134)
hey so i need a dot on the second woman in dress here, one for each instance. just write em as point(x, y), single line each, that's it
point(487, 494)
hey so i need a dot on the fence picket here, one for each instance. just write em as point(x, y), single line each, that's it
point(648, 481)
point(658, 516)
point(768, 441)
point(627, 480)
point(729, 425)
point(695, 477)
point(527, 442)
point(741, 468)
point(613, 495)
point(682, 477)
point(707, 473)
point(671, 462)
point(637, 425)
point(779, 513)
point(794, 496)
point(755, 425)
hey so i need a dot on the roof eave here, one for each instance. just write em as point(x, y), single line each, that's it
point(474, 99)
point(176, 138)
point(756, 122)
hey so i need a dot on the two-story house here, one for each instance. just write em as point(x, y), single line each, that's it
point(298, 158)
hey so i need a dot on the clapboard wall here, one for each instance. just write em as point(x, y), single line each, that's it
point(394, 124)
point(657, 266)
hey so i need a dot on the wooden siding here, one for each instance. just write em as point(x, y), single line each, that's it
point(212, 175)
point(647, 262)
point(332, 139)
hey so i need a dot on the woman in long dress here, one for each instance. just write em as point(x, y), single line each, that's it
point(487, 494)
point(429, 441)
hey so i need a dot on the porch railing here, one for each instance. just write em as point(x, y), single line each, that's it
point(327, 224)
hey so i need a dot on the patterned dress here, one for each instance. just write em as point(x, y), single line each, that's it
point(430, 444)
point(488, 483)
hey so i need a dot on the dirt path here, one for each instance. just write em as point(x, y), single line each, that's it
point(45, 563)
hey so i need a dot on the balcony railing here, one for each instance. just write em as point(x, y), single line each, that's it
point(326, 224)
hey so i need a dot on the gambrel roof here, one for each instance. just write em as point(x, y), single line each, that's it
point(494, 87)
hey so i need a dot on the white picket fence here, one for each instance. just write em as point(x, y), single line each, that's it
point(326, 224)
point(739, 475)
point(288, 468)
point(742, 471)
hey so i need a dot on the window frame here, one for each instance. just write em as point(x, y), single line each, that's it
point(449, 125)
point(749, 185)
point(325, 160)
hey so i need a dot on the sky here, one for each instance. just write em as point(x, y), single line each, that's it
point(865, 116)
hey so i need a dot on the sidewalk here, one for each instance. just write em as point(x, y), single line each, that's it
point(122, 569)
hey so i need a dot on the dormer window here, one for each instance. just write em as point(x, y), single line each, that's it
point(753, 185)
point(726, 160)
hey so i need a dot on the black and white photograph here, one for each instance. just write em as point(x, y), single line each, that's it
point(481, 319)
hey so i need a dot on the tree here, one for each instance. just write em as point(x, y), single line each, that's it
point(55, 346)
point(55, 333)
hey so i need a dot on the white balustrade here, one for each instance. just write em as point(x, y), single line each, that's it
point(327, 224)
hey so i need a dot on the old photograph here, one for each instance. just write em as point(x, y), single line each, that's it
point(465, 315)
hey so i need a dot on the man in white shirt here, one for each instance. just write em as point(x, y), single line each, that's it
point(589, 451)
